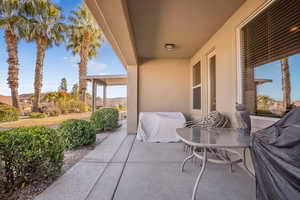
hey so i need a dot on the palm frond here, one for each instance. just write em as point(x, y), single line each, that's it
point(45, 21)
point(83, 22)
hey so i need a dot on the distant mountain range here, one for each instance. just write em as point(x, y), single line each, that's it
point(110, 102)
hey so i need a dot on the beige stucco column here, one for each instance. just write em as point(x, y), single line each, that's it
point(104, 95)
point(132, 99)
point(94, 95)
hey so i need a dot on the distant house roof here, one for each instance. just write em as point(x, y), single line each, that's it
point(5, 100)
point(262, 81)
point(108, 79)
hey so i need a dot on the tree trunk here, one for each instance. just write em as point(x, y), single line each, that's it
point(286, 83)
point(83, 66)
point(13, 66)
point(38, 77)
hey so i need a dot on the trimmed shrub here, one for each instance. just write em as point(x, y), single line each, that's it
point(8, 113)
point(77, 106)
point(30, 154)
point(105, 119)
point(37, 115)
point(77, 133)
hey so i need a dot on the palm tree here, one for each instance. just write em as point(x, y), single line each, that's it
point(13, 24)
point(46, 28)
point(84, 37)
point(286, 83)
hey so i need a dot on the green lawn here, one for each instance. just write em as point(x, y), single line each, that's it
point(48, 121)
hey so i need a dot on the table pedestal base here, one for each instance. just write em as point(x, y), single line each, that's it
point(205, 159)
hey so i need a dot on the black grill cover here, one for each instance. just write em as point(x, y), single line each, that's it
point(275, 153)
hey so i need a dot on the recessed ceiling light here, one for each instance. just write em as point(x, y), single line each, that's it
point(170, 46)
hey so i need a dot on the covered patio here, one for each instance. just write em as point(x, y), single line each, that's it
point(122, 168)
point(104, 81)
point(180, 56)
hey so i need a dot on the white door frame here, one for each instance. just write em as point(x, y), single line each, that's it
point(209, 56)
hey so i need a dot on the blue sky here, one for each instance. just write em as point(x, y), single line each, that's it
point(273, 71)
point(59, 63)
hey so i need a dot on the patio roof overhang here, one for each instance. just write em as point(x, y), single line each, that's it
point(104, 80)
point(107, 80)
point(140, 29)
point(262, 81)
point(112, 16)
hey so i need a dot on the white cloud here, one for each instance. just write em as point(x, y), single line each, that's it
point(93, 68)
point(74, 60)
point(97, 68)
point(4, 90)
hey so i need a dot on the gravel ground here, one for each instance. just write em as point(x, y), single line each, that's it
point(71, 158)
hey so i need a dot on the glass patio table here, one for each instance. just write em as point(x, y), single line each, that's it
point(213, 140)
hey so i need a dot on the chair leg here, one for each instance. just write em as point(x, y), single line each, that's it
point(229, 159)
point(185, 160)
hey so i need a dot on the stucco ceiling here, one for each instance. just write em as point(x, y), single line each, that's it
point(187, 23)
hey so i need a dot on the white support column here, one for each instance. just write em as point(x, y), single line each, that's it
point(132, 99)
point(104, 95)
point(94, 95)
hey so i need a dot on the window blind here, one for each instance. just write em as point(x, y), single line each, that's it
point(197, 74)
point(273, 34)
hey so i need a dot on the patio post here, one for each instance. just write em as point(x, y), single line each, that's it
point(94, 95)
point(132, 99)
point(104, 95)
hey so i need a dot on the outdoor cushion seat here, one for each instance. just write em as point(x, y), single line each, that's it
point(212, 120)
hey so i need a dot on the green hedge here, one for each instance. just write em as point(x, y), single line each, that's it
point(105, 119)
point(37, 115)
point(8, 113)
point(77, 133)
point(30, 154)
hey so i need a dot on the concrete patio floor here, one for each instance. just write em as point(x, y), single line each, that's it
point(121, 168)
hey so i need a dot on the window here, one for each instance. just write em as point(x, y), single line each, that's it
point(197, 86)
point(271, 55)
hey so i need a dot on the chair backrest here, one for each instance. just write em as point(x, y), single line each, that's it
point(212, 120)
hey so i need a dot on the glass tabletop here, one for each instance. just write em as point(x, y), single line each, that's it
point(213, 137)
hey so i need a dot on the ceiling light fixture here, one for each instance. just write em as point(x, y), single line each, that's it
point(170, 46)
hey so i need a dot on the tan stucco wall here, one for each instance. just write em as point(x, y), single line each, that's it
point(164, 85)
point(224, 43)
